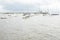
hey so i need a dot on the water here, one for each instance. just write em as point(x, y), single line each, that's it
point(15, 27)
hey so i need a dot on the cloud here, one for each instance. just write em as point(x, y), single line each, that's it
point(20, 7)
point(31, 5)
point(2, 9)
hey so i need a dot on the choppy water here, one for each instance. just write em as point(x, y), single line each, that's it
point(15, 27)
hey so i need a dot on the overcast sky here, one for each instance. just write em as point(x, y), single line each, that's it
point(29, 5)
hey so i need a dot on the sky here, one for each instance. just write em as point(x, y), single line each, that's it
point(29, 5)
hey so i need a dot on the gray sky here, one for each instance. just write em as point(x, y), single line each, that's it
point(29, 5)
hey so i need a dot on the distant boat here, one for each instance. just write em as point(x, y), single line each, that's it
point(54, 14)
